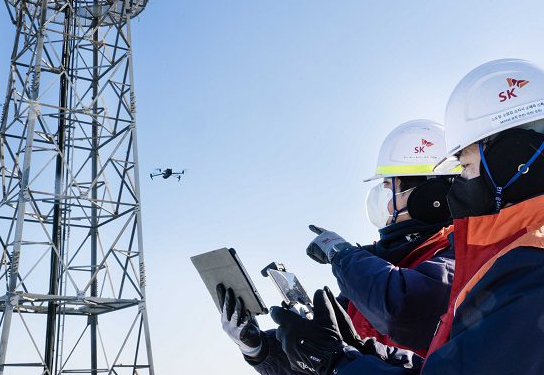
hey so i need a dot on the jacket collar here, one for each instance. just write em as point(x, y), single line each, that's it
point(508, 222)
point(400, 239)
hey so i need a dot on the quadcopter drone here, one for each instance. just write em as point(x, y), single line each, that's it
point(167, 173)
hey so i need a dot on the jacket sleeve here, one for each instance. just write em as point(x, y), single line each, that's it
point(272, 360)
point(499, 327)
point(378, 359)
point(396, 362)
point(403, 303)
point(343, 301)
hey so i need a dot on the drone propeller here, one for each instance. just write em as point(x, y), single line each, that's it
point(180, 173)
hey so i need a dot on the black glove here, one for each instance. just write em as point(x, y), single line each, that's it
point(367, 345)
point(345, 326)
point(312, 346)
point(238, 323)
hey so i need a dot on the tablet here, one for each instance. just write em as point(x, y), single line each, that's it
point(224, 267)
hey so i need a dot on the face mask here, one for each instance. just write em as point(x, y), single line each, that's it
point(377, 201)
point(512, 165)
point(470, 198)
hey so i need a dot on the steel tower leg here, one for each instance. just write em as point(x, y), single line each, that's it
point(12, 298)
point(93, 319)
point(50, 335)
point(143, 308)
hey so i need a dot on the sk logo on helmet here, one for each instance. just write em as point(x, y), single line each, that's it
point(513, 84)
point(421, 149)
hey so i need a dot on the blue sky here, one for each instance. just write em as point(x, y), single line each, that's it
point(278, 108)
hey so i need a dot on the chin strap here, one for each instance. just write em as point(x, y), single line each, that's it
point(523, 168)
point(396, 212)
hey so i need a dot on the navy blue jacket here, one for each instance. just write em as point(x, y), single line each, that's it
point(498, 329)
point(405, 304)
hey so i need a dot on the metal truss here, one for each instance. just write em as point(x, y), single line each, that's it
point(72, 275)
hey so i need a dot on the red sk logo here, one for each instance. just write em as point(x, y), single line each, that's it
point(513, 84)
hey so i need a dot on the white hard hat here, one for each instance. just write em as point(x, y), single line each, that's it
point(495, 96)
point(412, 149)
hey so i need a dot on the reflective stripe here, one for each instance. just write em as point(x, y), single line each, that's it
point(426, 169)
point(457, 169)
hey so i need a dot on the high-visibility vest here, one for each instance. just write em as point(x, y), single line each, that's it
point(427, 250)
point(479, 242)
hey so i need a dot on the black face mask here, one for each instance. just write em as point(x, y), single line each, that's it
point(505, 155)
point(470, 198)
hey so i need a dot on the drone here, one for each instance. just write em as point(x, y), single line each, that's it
point(167, 173)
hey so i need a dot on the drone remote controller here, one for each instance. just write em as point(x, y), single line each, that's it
point(294, 296)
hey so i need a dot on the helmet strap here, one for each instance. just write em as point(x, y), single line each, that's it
point(396, 212)
point(523, 169)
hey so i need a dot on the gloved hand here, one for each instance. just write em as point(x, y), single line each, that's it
point(349, 334)
point(369, 345)
point(312, 346)
point(345, 326)
point(237, 322)
point(321, 248)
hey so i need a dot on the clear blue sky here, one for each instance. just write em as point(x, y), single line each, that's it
point(278, 108)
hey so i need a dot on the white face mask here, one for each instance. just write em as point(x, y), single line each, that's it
point(377, 202)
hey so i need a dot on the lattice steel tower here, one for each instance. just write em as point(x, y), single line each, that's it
point(72, 271)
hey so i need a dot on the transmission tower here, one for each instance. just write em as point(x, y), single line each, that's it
point(72, 269)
